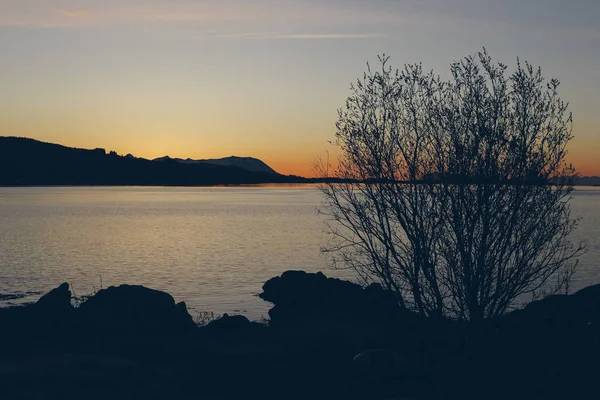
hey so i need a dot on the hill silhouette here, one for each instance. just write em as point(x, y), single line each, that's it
point(249, 163)
point(29, 162)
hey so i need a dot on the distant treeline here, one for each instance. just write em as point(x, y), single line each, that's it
point(28, 162)
point(587, 181)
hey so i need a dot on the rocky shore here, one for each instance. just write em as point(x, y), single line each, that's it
point(326, 339)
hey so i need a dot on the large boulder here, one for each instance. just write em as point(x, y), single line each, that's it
point(233, 325)
point(134, 310)
point(51, 316)
point(56, 301)
point(381, 363)
point(579, 310)
point(298, 295)
point(230, 322)
point(586, 304)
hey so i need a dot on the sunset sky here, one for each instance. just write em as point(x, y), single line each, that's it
point(264, 78)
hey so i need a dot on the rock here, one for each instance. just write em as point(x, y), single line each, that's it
point(234, 324)
point(579, 310)
point(586, 305)
point(301, 296)
point(230, 322)
point(549, 311)
point(380, 362)
point(57, 300)
point(134, 310)
point(52, 316)
point(379, 371)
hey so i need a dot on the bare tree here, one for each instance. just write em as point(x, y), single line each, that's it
point(456, 193)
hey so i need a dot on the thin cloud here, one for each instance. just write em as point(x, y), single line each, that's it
point(75, 13)
point(329, 36)
point(273, 13)
point(302, 36)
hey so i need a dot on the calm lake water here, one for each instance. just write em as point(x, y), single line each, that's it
point(210, 247)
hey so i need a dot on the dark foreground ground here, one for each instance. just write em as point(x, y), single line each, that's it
point(130, 342)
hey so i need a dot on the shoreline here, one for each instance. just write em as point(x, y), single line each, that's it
point(325, 339)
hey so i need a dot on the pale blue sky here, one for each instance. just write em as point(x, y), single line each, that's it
point(262, 78)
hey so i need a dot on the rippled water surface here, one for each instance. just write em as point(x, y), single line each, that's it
point(211, 247)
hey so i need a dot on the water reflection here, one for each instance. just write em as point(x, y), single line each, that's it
point(211, 247)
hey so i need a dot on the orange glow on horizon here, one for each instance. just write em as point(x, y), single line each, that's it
point(302, 164)
point(587, 169)
point(286, 161)
point(262, 79)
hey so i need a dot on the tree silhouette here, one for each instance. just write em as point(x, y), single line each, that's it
point(462, 200)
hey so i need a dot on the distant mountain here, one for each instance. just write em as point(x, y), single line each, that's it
point(248, 163)
point(587, 181)
point(30, 162)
